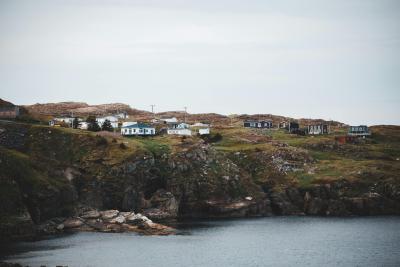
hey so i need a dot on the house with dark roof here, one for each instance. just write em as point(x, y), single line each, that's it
point(258, 124)
point(138, 129)
point(179, 129)
point(361, 130)
point(317, 129)
point(290, 126)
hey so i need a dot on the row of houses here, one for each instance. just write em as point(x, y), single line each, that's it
point(113, 119)
point(172, 128)
point(312, 129)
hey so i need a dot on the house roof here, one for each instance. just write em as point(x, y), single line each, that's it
point(138, 125)
point(258, 121)
point(173, 119)
point(110, 118)
point(318, 124)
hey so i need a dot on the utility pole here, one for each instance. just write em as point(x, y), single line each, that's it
point(185, 112)
point(152, 110)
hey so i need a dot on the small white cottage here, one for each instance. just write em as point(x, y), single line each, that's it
point(204, 131)
point(179, 129)
point(113, 120)
point(83, 125)
point(169, 120)
point(138, 129)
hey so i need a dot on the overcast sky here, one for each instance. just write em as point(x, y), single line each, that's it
point(316, 59)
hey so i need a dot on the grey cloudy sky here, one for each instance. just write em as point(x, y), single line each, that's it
point(301, 58)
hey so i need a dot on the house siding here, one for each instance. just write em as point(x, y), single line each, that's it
point(258, 124)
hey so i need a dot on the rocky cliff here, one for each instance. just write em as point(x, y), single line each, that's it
point(53, 173)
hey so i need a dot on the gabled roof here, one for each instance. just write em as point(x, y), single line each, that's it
point(257, 121)
point(110, 118)
point(138, 125)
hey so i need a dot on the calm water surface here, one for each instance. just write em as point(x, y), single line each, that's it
point(278, 241)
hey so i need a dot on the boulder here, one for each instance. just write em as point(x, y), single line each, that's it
point(92, 214)
point(137, 219)
point(109, 214)
point(119, 219)
point(157, 214)
point(72, 223)
point(114, 228)
point(96, 224)
point(126, 214)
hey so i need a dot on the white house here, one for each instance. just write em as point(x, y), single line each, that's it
point(204, 131)
point(83, 125)
point(138, 129)
point(169, 120)
point(113, 120)
point(179, 129)
point(317, 129)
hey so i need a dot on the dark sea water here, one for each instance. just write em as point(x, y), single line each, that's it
point(277, 241)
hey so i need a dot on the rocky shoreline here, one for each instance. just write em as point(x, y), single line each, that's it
point(108, 221)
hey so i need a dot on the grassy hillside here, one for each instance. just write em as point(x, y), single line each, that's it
point(49, 172)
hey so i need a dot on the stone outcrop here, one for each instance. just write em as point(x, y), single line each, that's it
point(164, 206)
point(109, 221)
point(330, 200)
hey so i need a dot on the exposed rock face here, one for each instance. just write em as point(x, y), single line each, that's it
point(163, 206)
point(282, 204)
point(131, 199)
point(238, 208)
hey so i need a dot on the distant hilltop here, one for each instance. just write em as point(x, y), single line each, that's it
point(81, 109)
